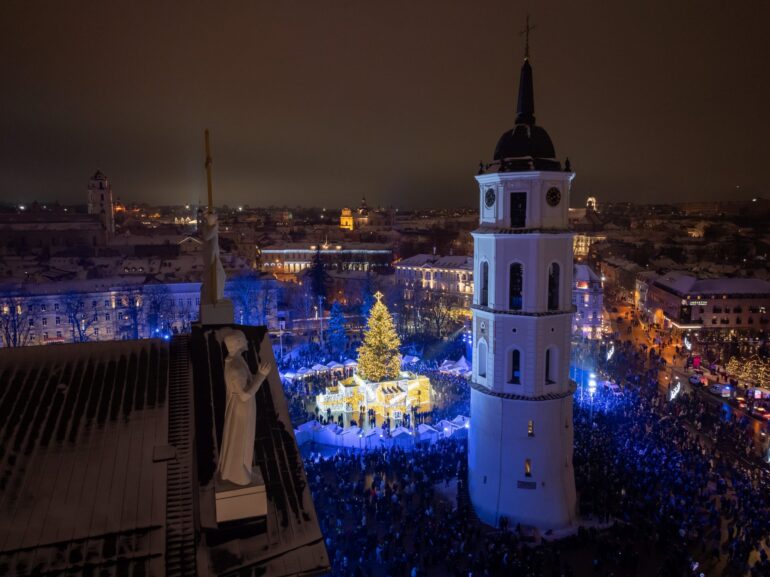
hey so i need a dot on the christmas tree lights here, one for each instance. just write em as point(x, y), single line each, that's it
point(378, 356)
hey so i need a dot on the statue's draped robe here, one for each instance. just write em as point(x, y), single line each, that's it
point(237, 452)
point(212, 284)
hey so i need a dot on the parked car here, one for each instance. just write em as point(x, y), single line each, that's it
point(719, 389)
point(695, 380)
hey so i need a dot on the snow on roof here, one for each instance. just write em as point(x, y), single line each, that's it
point(89, 469)
point(684, 284)
point(433, 261)
point(583, 272)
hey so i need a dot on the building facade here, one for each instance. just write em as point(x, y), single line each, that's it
point(289, 260)
point(588, 298)
point(681, 301)
point(450, 277)
point(119, 309)
point(521, 435)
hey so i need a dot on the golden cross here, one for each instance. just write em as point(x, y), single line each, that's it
point(378, 295)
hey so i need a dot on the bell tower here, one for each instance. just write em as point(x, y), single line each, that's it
point(521, 436)
point(100, 201)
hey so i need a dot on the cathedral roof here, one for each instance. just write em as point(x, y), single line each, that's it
point(98, 175)
point(526, 146)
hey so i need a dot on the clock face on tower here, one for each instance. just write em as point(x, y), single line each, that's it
point(489, 198)
point(553, 196)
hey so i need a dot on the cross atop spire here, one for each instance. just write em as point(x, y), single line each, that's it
point(527, 29)
point(525, 107)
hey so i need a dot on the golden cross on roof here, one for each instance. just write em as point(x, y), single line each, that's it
point(378, 295)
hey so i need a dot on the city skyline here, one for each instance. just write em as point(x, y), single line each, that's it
point(300, 118)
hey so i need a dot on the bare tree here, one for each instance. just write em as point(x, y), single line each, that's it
point(158, 307)
point(129, 310)
point(437, 316)
point(81, 322)
point(15, 320)
point(251, 295)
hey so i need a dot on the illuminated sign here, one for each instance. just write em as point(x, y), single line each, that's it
point(582, 284)
point(698, 303)
point(675, 391)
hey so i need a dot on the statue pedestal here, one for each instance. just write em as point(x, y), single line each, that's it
point(219, 313)
point(234, 502)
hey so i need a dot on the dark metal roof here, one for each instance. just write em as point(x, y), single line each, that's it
point(107, 463)
point(526, 146)
point(290, 541)
point(79, 490)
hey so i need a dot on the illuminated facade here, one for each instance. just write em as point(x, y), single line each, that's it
point(289, 260)
point(581, 244)
point(114, 309)
point(682, 301)
point(588, 298)
point(521, 436)
point(438, 276)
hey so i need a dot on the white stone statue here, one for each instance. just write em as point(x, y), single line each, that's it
point(213, 287)
point(236, 455)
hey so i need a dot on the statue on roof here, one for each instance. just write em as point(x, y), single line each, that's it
point(236, 454)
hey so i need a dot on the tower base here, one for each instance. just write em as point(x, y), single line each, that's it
point(526, 478)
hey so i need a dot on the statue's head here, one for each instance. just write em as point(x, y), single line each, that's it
point(236, 343)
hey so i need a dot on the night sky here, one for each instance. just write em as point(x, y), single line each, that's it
point(318, 102)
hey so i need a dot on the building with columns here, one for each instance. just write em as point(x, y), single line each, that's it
point(521, 433)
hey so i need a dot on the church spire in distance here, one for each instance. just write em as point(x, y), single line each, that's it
point(525, 106)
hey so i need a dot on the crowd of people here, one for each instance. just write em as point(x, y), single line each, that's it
point(658, 473)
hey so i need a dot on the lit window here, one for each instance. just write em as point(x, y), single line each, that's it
point(531, 428)
point(527, 468)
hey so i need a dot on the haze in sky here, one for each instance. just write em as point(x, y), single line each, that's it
point(319, 103)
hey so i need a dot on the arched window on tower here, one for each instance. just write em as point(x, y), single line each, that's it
point(484, 284)
point(482, 359)
point(550, 371)
point(515, 286)
point(553, 287)
point(515, 367)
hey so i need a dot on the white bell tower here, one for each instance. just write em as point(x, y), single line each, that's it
point(521, 437)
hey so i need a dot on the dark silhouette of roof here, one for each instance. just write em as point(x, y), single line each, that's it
point(526, 146)
point(80, 491)
point(107, 459)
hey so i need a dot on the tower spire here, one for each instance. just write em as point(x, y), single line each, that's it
point(525, 106)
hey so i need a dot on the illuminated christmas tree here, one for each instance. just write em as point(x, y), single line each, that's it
point(378, 356)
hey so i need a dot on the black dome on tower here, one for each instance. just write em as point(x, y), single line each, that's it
point(526, 146)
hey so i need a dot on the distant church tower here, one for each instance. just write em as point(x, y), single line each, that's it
point(521, 437)
point(100, 201)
